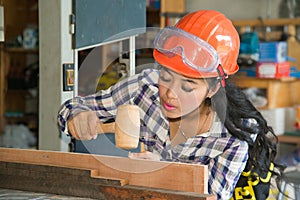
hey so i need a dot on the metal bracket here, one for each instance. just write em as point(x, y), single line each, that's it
point(72, 24)
point(68, 77)
point(1, 24)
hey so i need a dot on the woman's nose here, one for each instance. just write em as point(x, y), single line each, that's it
point(171, 93)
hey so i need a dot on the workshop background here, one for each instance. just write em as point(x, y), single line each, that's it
point(37, 51)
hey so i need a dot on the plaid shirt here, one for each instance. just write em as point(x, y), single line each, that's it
point(225, 155)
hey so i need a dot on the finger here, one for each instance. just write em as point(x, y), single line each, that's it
point(84, 126)
point(132, 155)
point(94, 137)
point(143, 155)
point(92, 126)
point(72, 131)
point(81, 131)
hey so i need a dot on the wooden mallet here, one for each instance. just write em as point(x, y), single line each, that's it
point(126, 127)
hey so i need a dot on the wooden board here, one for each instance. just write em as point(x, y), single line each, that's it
point(289, 139)
point(280, 92)
point(170, 6)
point(77, 182)
point(3, 87)
point(49, 179)
point(266, 22)
point(121, 172)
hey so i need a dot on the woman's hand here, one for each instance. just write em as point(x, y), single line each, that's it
point(147, 155)
point(83, 126)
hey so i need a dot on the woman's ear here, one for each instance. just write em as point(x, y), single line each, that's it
point(212, 91)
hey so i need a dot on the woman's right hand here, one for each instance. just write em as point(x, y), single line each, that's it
point(83, 126)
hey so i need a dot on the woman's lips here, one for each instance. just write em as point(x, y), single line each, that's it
point(169, 106)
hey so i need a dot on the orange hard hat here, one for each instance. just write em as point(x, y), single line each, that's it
point(212, 27)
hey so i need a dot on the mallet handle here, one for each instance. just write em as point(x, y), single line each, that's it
point(110, 128)
point(106, 127)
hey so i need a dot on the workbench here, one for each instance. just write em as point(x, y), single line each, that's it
point(281, 92)
point(289, 139)
point(100, 177)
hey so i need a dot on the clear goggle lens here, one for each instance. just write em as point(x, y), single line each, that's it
point(195, 53)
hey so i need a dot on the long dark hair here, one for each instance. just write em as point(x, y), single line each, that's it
point(237, 107)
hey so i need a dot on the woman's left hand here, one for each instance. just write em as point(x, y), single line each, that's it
point(147, 155)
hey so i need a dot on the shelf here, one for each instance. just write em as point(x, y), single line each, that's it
point(20, 50)
point(23, 116)
point(288, 26)
point(279, 91)
point(15, 64)
point(29, 119)
point(152, 16)
point(23, 91)
point(266, 22)
point(289, 139)
point(173, 7)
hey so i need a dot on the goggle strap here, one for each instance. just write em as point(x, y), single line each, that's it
point(222, 75)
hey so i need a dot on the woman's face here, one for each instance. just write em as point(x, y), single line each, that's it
point(180, 95)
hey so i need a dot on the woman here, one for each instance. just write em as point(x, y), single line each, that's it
point(189, 111)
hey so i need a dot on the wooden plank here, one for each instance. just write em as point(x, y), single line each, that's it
point(4, 69)
point(293, 46)
point(289, 139)
point(49, 179)
point(283, 87)
point(266, 22)
point(177, 6)
point(3, 73)
point(21, 50)
point(295, 88)
point(77, 182)
point(131, 192)
point(171, 6)
point(155, 174)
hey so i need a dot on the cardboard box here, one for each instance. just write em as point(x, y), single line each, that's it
point(273, 51)
point(273, 69)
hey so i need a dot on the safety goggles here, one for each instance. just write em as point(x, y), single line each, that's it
point(196, 53)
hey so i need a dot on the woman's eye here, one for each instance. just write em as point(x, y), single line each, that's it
point(187, 88)
point(165, 76)
point(165, 79)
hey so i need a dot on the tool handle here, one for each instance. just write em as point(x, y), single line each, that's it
point(142, 147)
point(106, 127)
point(110, 128)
